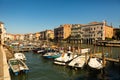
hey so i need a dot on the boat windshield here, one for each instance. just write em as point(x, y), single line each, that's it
point(13, 62)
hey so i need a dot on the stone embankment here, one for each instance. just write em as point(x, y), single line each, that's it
point(5, 54)
point(9, 53)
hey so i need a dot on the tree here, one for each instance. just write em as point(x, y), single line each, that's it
point(117, 34)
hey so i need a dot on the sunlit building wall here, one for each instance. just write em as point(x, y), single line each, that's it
point(37, 36)
point(2, 32)
point(88, 33)
point(62, 32)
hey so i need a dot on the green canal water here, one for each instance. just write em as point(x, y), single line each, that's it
point(44, 69)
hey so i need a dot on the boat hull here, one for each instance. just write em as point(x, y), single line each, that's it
point(79, 61)
point(17, 66)
point(95, 63)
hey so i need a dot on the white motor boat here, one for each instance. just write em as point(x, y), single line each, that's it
point(17, 65)
point(95, 63)
point(64, 58)
point(20, 56)
point(79, 61)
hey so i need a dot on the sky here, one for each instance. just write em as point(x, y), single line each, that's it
point(30, 16)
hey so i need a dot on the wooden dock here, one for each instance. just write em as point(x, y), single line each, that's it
point(112, 60)
point(106, 59)
point(108, 43)
point(24, 49)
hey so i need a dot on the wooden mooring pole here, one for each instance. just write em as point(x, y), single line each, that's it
point(119, 65)
point(103, 61)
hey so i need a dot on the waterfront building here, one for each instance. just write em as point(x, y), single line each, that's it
point(13, 37)
point(9, 37)
point(93, 31)
point(46, 35)
point(76, 34)
point(16, 37)
point(50, 34)
point(28, 37)
point(37, 36)
point(62, 32)
point(108, 31)
point(34, 37)
point(97, 31)
point(21, 37)
point(89, 33)
point(2, 33)
point(42, 35)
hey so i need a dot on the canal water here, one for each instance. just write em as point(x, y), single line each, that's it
point(45, 69)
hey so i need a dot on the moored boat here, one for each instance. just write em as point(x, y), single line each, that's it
point(65, 58)
point(36, 50)
point(52, 55)
point(17, 65)
point(95, 63)
point(14, 66)
point(79, 61)
point(20, 56)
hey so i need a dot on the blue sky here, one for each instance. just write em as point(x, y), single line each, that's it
point(29, 16)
